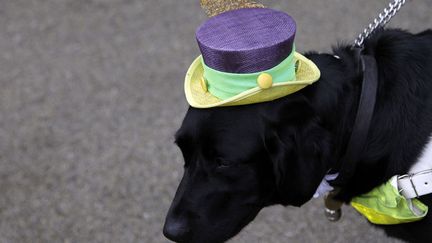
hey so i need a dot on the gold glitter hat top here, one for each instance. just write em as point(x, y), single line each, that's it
point(215, 7)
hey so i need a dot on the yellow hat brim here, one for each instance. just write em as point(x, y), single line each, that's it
point(306, 74)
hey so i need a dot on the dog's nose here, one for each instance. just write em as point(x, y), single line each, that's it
point(176, 230)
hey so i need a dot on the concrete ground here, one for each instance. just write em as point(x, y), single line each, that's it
point(91, 94)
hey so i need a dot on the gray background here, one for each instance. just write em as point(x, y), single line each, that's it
point(90, 96)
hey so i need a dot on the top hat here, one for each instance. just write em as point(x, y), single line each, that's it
point(248, 56)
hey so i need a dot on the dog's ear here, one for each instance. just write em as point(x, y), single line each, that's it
point(299, 149)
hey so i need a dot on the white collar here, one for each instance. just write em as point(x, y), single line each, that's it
point(418, 181)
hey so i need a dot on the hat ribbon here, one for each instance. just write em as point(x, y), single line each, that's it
point(226, 85)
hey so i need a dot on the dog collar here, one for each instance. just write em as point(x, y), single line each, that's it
point(415, 185)
point(356, 143)
point(363, 119)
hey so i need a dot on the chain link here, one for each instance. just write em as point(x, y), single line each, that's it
point(383, 18)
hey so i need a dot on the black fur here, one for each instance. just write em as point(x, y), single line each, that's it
point(241, 159)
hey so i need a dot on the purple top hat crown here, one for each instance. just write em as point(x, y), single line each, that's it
point(246, 40)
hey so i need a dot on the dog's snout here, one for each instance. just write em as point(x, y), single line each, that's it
point(176, 229)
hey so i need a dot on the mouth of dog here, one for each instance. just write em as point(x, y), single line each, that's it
point(215, 235)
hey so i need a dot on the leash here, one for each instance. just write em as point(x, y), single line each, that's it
point(383, 18)
point(365, 110)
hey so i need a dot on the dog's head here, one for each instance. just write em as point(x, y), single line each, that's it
point(241, 159)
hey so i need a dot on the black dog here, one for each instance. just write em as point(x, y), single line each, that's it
point(243, 158)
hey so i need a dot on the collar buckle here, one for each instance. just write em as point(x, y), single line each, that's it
point(414, 185)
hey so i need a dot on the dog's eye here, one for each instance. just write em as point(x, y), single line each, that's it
point(222, 162)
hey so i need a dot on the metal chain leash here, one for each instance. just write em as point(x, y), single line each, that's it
point(383, 18)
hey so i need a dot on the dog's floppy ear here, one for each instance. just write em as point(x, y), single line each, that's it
point(299, 149)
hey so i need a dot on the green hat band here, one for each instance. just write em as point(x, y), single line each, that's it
point(226, 85)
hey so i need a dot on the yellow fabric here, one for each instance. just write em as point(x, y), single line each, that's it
point(376, 217)
point(307, 73)
point(385, 205)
